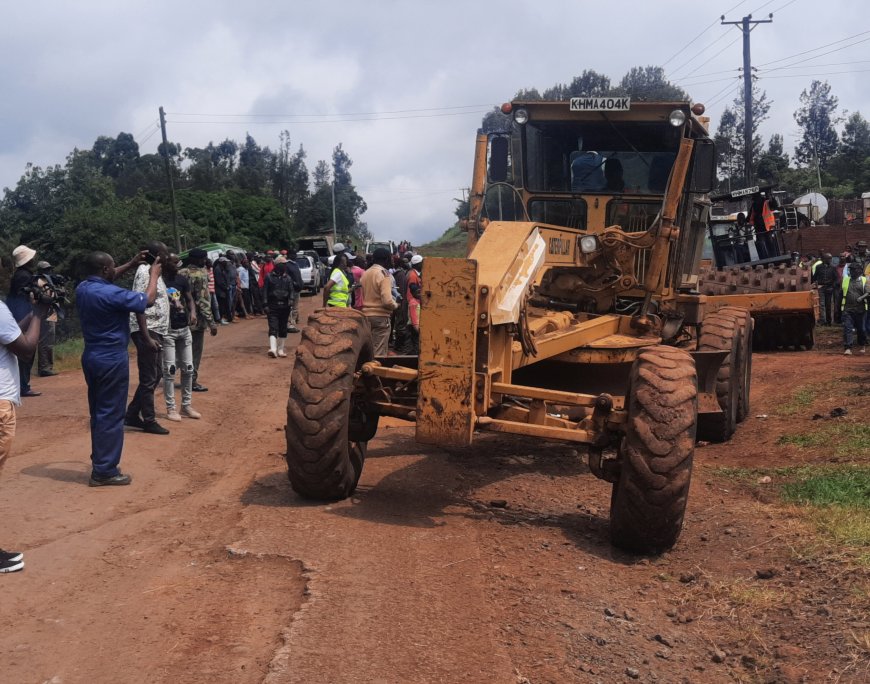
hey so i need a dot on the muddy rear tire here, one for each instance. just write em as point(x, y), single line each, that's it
point(721, 332)
point(649, 499)
point(324, 456)
point(744, 359)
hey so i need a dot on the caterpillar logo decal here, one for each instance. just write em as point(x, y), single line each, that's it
point(560, 246)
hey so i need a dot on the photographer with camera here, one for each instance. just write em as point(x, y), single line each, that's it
point(17, 341)
point(147, 330)
point(45, 353)
point(104, 310)
point(20, 303)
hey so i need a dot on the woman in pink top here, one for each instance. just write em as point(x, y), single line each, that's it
point(358, 270)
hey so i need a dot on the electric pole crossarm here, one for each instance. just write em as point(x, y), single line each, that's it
point(746, 26)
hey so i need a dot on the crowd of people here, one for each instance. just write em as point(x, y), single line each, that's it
point(844, 295)
point(166, 313)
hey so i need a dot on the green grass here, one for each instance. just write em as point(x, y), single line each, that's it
point(835, 498)
point(451, 244)
point(839, 487)
point(842, 437)
point(802, 398)
point(68, 354)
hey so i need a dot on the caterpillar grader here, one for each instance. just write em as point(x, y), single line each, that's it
point(575, 318)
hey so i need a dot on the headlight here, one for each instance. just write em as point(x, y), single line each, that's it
point(521, 116)
point(677, 118)
point(588, 244)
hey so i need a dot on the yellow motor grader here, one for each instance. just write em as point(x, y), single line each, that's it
point(574, 318)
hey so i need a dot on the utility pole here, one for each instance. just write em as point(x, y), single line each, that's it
point(746, 25)
point(169, 182)
point(334, 232)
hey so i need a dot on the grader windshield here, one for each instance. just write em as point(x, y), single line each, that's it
point(598, 157)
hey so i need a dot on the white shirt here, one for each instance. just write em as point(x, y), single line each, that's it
point(10, 381)
point(156, 315)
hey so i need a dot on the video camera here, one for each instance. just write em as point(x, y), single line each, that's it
point(48, 289)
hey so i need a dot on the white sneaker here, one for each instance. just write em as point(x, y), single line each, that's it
point(190, 412)
point(173, 416)
point(848, 352)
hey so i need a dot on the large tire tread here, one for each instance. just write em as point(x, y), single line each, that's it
point(744, 359)
point(720, 331)
point(322, 460)
point(649, 499)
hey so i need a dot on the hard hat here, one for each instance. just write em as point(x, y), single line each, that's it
point(416, 259)
point(338, 247)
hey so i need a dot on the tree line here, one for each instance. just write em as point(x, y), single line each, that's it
point(836, 163)
point(114, 198)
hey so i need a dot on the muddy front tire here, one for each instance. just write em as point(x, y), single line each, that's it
point(324, 457)
point(649, 498)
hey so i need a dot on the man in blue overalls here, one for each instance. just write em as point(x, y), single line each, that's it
point(104, 311)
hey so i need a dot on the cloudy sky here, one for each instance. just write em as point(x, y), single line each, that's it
point(402, 85)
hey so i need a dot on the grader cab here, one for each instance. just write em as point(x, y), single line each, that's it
point(574, 318)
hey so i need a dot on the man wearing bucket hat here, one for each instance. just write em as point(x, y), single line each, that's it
point(21, 307)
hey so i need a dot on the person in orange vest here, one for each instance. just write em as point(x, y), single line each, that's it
point(763, 220)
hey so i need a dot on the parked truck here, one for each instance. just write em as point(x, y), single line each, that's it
point(321, 244)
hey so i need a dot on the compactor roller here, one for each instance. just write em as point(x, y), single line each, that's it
point(780, 297)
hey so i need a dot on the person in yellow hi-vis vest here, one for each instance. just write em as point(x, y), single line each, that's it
point(854, 305)
point(336, 292)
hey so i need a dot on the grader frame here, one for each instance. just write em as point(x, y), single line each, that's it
point(591, 334)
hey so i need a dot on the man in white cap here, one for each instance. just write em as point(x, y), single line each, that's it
point(20, 305)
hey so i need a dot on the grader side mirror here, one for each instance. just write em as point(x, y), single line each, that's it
point(498, 158)
point(703, 167)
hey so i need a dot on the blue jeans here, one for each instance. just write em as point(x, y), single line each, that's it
point(853, 322)
point(107, 373)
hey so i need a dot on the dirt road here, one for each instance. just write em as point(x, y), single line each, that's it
point(489, 564)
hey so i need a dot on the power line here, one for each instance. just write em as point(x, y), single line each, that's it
point(819, 66)
point(821, 47)
point(714, 80)
point(691, 42)
point(810, 59)
point(711, 58)
point(329, 121)
point(395, 111)
point(782, 7)
point(691, 59)
point(710, 73)
point(150, 135)
point(145, 130)
point(721, 94)
point(826, 73)
point(371, 189)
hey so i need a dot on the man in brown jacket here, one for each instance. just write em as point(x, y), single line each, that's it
point(378, 302)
